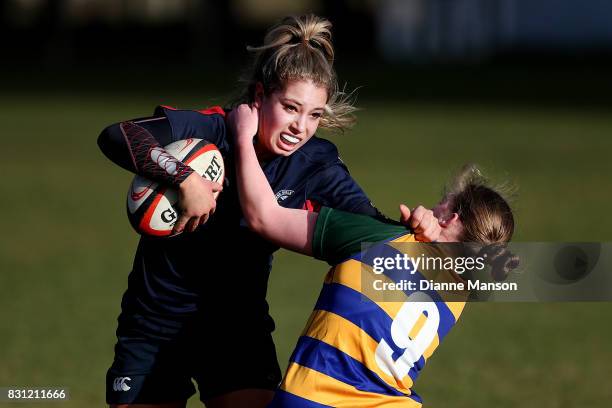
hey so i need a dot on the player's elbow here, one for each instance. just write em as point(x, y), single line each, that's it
point(109, 139)
point(255, 222)
point(259, 221)
point(112, 143)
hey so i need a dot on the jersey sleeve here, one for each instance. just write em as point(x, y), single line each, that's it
point(206, 124)
point(339, 234)
point(113, 143)
point(166, 126)
point(334, 187)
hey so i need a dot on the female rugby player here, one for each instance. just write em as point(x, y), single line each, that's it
point(195, 305)
point(357, 351)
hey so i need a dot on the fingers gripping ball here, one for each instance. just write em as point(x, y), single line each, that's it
point(152, 208)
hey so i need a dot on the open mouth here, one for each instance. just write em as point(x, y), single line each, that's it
point(290, 140)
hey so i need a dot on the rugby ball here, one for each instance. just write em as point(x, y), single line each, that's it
point(152, 207)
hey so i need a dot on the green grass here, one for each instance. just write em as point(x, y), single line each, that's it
point(69, 248)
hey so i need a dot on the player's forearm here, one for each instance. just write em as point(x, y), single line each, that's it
point(289, 228)
point(259, 205)
point(134, 148)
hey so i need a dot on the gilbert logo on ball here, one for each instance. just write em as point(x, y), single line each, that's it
point(152, 208)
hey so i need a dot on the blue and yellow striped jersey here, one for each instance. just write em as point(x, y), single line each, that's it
point(357, 351)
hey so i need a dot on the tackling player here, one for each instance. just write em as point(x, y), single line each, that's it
point(355, 351)
point(176, 322)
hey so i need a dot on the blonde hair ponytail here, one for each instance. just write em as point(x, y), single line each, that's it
point(487, 219)
point(300, 48)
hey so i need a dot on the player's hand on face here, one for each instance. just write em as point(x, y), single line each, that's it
point(422, 221)
point(196, 202)
point(243, 122)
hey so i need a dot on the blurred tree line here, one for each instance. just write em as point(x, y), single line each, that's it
point(68, 32)
point(556, 50)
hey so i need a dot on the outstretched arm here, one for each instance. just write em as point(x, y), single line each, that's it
point(289, 228)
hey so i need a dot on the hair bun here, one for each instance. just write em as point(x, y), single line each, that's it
point(502, 261)
point(309, 30)
point(300, 48)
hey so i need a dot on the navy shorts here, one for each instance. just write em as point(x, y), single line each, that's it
point(156, 361)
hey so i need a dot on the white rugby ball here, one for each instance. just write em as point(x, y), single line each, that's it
point(152, 208)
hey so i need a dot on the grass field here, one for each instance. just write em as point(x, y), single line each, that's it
point(66, 259)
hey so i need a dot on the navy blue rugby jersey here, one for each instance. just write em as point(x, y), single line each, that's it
point(223, 268)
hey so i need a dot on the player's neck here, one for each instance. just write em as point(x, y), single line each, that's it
point(447, 235)
point(263, 154)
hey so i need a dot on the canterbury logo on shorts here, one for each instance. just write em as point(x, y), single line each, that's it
point(120, 384)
